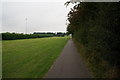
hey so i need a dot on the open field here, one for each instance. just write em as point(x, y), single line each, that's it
point(0, 59)
point(30, 58)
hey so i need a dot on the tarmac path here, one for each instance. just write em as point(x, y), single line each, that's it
point(69, 64)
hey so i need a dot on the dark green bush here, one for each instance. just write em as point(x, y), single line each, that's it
point(97, 27)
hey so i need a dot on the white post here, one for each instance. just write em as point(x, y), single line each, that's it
point(26, 25)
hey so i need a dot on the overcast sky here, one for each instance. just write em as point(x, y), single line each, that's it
point(41, 16)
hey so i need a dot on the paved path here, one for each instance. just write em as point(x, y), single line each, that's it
point(69, 64)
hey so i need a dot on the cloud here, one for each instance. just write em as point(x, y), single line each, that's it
point(42, 16)
point(34, 0)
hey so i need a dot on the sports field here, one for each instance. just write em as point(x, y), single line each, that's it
point(30, 58)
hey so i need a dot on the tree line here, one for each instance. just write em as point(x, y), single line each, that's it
point(14, 36)
point(97, 27)
point(52, 33)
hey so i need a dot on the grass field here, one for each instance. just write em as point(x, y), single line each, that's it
point(30, 58)
point(0, 58)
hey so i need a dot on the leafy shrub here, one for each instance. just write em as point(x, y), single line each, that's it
point(97, 27)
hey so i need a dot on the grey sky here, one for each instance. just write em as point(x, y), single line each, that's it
point(42, 16)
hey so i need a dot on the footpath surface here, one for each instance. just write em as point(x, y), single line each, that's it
point(69, 64)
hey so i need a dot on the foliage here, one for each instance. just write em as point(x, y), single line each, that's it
point(97, 27)
point(54, 34)
point(14, 36)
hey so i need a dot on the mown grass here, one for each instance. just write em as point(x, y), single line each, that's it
point(30, 58)
point(0, 58)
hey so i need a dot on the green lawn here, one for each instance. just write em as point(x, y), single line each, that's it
point(30, 58)
point(0, 59)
